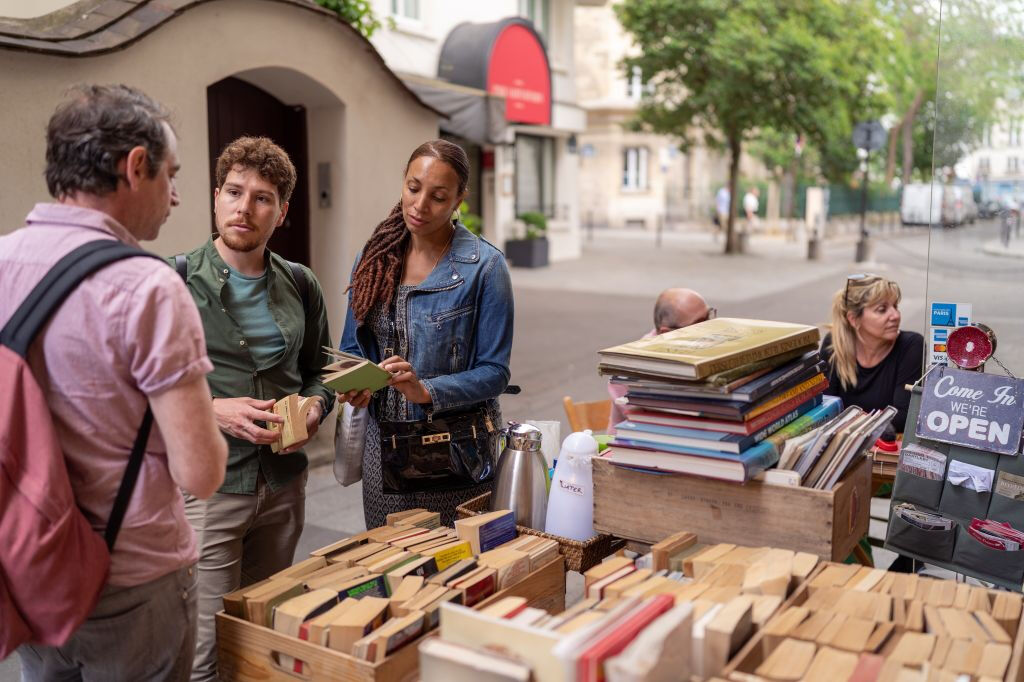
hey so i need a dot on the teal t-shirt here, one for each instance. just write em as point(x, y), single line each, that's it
point(246, 300)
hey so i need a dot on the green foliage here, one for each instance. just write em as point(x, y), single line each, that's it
point(732, 68)
point(358, 13)
point(471, 221)
point(536, 224)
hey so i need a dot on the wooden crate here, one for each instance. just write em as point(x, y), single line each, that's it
point(756, 650)
point(647, 508)
point(250, 653)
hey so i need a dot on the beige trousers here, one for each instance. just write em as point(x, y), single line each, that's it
point(242, 540)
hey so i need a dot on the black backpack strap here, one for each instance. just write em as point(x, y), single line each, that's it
point(36, 310)
point(181, 265)
point(301, 283)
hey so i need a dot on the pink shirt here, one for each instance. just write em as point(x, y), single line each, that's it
point(128, 331)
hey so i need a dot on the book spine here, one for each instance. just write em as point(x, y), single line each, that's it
point(813, 386)
point(377, 587)
point(497, 532)
point(804, 370)
point(774, 426)
point(448, 557)
point(714, 366)
point(811, 420)
point(805, 403)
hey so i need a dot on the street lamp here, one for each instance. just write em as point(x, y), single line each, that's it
point(867, 137)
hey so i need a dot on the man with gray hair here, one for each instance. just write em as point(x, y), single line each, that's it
point(128, 336)
point(675, 308)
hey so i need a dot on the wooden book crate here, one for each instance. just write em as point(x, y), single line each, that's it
point(250, 653)
point(648, 507)
point(746, 661)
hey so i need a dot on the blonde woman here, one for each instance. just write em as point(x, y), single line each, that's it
point(870, 360)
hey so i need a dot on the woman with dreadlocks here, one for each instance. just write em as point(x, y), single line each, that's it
point(432, 304)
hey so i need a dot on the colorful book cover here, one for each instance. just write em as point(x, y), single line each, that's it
point(374, 587)
point(447, 557)
point(497, 532)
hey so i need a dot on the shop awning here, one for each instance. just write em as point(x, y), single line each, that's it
point(472, 114)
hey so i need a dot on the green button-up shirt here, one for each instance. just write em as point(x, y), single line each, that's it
point(235, 373)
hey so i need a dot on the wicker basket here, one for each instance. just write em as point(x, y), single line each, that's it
point(579, 556)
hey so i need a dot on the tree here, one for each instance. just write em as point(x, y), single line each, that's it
point(358, 13)
point(732, 67)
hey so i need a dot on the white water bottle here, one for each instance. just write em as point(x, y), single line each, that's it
point(571, 502)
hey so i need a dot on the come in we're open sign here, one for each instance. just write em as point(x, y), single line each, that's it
point(973, 409)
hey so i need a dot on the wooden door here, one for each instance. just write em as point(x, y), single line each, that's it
point(236, 108)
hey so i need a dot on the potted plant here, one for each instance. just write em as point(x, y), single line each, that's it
point(530, 251)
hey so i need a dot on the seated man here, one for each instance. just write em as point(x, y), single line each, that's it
point(674, 309)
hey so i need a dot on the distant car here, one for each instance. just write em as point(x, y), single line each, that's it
point(990, 208)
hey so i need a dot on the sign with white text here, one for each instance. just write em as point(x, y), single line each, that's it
point(944, 318)
point(977, 410)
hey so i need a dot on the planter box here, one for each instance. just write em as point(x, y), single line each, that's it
point(648, 507)
point(251, 653)
point(527, 253)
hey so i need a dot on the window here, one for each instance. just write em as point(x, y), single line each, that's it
point(635, 86)
point(1012, 164)
point(538, 12)
point(634, 168)
point(535, 175)
point(410, 9)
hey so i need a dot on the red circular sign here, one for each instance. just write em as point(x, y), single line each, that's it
point(518, 71)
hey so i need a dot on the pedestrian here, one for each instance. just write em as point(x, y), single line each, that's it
point(266, 326)
point(432, 303)
point(126, 336)
point(723, 206)
point(751, 204)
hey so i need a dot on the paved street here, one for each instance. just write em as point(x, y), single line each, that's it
point(566, 312)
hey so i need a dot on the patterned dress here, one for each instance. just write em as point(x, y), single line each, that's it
point(376, 503)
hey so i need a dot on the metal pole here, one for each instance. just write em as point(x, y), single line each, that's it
point(863, 245)
point(657, 230)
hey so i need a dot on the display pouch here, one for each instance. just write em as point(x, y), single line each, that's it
point(1007, 502)
point(959, 502)
point(978, 558)
point(919, 490)
point(446, 453)
point(929, 544)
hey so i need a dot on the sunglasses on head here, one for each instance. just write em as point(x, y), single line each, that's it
point(858, 277)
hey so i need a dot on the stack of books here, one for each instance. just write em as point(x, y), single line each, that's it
point(633, 623)
point(371, 594)
point(718, 398)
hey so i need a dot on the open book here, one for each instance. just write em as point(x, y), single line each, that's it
point(294, 408)
point(350, 372)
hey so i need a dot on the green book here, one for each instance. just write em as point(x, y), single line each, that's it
point(353, 373)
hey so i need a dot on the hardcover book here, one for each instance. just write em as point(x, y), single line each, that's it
point(708, 347)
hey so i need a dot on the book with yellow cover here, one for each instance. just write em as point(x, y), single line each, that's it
point(709, 347)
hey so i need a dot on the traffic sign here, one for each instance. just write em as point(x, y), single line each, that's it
point(869, 135)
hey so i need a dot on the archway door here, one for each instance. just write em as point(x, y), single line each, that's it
point(236, 108)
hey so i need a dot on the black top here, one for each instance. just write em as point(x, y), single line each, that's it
point(881, 385)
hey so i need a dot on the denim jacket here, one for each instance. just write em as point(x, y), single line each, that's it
point(459, 327)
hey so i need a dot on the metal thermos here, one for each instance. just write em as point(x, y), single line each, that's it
point(521, 481)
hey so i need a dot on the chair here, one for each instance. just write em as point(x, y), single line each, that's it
point(592, 415)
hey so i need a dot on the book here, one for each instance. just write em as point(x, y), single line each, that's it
point(432, 609)
point(476, 586)
point(389, 638)
point(716, 465)
point(751, 390)
point(303, 568)
point(372, 585)
point(421, 519)
point(408, 588)
point(486, 531)
point(448, 554)
point(766, 423)
point(506, 608)
point(260, 603)
point(617, 632)
point(512, 565)
point(350, 372)
point(316, 630)
point(335, 573)
point(394, 517)
point(361, 619)
point(728, 380)
point(442, 661)
point(460, 567)
point(423, 566)
point(659, 652)
point(709, 347)
point(731, 410)
point(291, 614)
point(294, 409)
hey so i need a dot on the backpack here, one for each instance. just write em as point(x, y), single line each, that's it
point(53, 565)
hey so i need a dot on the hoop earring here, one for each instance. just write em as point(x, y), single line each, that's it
point(457, 216)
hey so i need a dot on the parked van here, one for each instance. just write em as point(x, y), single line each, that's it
point(935, 204)
point(920, 205)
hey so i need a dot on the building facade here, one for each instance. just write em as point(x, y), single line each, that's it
point(633, 179)
point(504, 72)
point(283, 68)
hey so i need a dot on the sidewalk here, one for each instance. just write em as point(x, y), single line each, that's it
point(996, 248)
